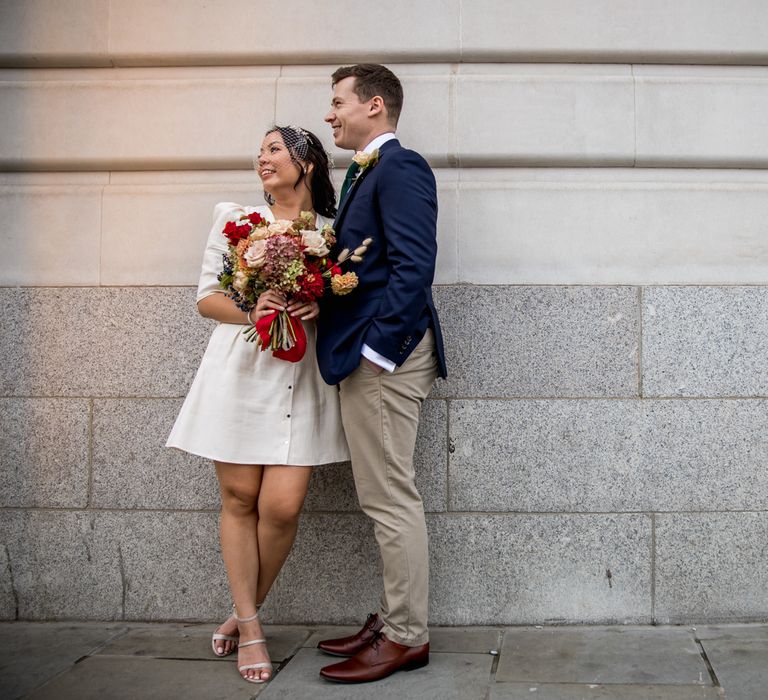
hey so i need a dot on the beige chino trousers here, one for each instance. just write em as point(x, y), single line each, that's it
point(380, 414)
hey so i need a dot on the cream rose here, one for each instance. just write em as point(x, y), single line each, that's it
point(365, 160)
point(279, 227)
point(256, 253)
point(314, 242)
point(240, 281)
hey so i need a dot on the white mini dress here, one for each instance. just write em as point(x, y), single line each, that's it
point(246, 406)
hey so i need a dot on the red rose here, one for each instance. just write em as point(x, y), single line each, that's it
point(255, 218)
point(236, 233)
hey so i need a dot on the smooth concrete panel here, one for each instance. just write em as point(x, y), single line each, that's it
point(711, 567)
point(598, 456)
point(132, 119)
point(44, 452)
point(65, 180)
point(65, 565)
point(425, 123)
point(486, 114)
point(520, 117)
point(154, 232)
point(623, 227)
point(620, 31)
point(51, 234)
point(157, 234)
point(447, 263)
point(493, 227)
point(60, 33)
point(539, 341)
point(705, 341)
point(521, 569)
point(100, 342)
point(193, 32)
point(270, 31)
point(132, 468)
point(702, 116)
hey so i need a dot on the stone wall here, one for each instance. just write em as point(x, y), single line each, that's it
point(599, 451)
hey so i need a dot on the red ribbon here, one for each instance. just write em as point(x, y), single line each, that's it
point(296, 351)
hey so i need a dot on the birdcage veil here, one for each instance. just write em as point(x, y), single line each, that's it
point(303, 146)
point(295, 138)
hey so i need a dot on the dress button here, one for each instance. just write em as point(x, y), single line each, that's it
point(290, 386)
point(287, 415)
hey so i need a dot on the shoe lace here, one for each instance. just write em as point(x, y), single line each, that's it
point(377, 637)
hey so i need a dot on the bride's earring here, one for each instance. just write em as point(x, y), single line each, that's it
point(269, 198)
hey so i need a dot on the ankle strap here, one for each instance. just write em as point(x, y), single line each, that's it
point(255, 615)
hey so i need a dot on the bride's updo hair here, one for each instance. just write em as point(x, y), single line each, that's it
point(304, 147)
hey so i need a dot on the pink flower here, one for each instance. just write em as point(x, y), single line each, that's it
point(256, 254)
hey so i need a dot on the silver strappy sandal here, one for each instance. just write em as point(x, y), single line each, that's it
point(262, 666)
point(225, 638)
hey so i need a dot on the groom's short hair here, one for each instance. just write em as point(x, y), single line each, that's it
point(371, 79)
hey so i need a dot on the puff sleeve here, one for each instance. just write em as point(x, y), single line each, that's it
point(215, 248)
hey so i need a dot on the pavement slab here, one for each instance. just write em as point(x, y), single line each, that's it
point(621, 655)
point(34, 652)
point(330, 632)
point(574, 691)
point(740, 661)
point(157, 661)
point(180, 641)
point(731, 631)
point(463, 640)
point(129, 678)
point(447, 677)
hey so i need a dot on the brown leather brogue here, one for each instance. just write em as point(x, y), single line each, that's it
point(349, 646)
point(381, 658)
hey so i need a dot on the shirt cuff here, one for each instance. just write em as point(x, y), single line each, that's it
point(380, 360)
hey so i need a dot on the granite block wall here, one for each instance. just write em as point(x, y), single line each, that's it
point(599, 451)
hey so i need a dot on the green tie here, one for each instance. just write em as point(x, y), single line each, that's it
point(349, 178)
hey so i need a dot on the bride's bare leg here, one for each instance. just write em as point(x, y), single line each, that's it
point(240, 486)
point(280, 500)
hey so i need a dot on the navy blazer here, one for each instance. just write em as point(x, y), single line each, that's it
point(394, 202)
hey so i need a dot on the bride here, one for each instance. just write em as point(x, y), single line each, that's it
point(263, 421)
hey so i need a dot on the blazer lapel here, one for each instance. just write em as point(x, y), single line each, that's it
point(356, 184)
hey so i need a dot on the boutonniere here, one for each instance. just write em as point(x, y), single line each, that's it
point(366, 160)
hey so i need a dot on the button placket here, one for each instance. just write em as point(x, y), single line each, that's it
point(288, 408)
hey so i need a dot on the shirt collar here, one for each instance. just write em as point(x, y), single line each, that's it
point(379, 141)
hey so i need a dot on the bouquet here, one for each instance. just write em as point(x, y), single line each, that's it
point(291, 258)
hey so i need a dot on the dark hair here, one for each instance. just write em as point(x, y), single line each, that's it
point(322, 191)
point(371, 79)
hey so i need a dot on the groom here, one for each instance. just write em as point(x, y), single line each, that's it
point(382, 345)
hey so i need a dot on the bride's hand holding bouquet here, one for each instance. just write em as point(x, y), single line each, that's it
point(277, 272)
